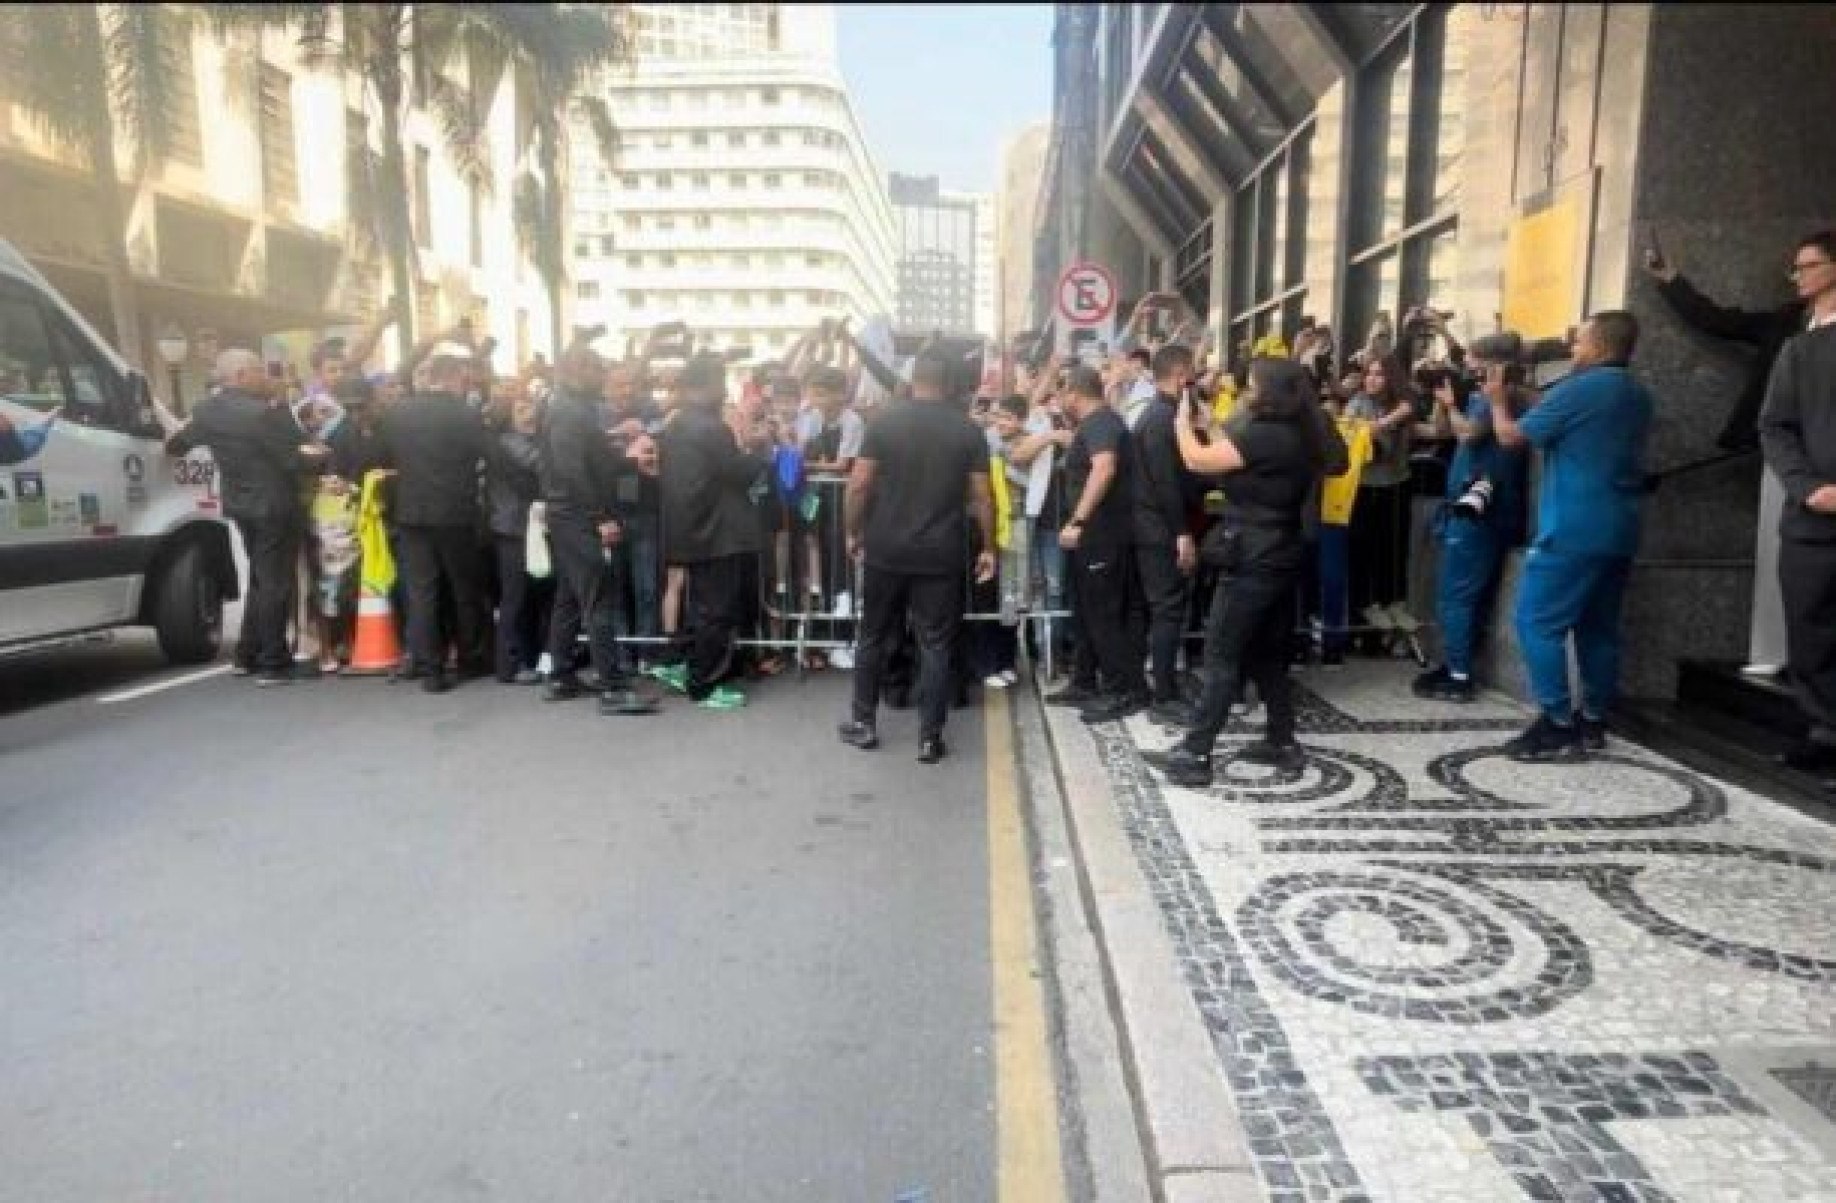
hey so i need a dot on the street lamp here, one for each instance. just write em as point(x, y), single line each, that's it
point(173, 348)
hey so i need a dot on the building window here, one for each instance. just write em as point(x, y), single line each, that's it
point(666, 259)
point(606, 246)
point(773, 180)
point(185, 142)
point(768, 96)
point(774, 298)
point(634, 299)
point(587, 290)
point(632, 183)
point(813, 179)
point(812, 260)
point(1268, 248)
point(737, 180)
point(742, 260)
point(1407, 140)
point(659, 101)
point(815, 298)
point(771, 137)
point(666, 221)
point(703, 221)
point(736, 138)
point(279, 175)
point(634, 262)
point(698, 138)
point(742, 300)
point(664, 181)
point(699, 181)
point(582, 250)
point(633, 221)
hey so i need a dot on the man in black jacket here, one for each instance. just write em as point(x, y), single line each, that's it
point(260, 456)
point(1798, 431)
point(581, 474)
point(1165, 553)
point(436, 442)
point(710, 527)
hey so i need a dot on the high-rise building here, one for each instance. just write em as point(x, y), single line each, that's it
point(744, 200)
point(1022, 169)
point(946, 248)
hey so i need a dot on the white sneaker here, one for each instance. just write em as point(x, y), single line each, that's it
point(842, 658)
point(995, 681)
point(1377, 618)
point(1405, 622)
point(1010, 677)
point(1762, 670)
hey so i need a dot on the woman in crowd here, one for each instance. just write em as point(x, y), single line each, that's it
point(1272, 456)
point(1380, 518)
point(513, 482)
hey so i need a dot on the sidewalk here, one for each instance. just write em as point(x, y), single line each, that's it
point(1421, 972)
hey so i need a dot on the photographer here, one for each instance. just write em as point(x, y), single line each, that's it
point(1272, 454)
point(1481, 519)
point(1591, 430)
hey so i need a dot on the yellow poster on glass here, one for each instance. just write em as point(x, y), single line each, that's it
point(1542, 270)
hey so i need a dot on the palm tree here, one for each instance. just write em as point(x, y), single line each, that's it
point(398, 51)
point(82, 71)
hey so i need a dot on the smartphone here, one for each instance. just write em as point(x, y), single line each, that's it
point(1654, 250)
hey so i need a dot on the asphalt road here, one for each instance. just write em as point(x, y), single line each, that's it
point(349, 941)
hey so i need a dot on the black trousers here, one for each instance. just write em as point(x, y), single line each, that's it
point(1247, 634)
point(1807, 579)
point(1104, 600)
point(273, 547)
point(444, 558)
point(934, 605)
point(720, 600)
point(1379, 548)
point(1167, 593)
point(584, 586)
point(522, 608)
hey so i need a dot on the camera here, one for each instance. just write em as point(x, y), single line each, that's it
point(1475, 501)
point(1520, 357)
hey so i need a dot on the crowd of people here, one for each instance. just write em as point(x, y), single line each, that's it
point(1197, 521)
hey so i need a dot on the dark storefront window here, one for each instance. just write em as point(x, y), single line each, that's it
point(1268, 252)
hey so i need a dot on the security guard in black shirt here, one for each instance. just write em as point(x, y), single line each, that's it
point(436, 442)
point(260, 455)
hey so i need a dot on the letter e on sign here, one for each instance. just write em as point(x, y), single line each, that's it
point(1086, 294)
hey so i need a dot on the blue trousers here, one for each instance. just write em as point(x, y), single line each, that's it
point(1563, 595)
point(1470, 555)
point(1335, 586)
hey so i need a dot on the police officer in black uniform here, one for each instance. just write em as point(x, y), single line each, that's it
point(260, 456)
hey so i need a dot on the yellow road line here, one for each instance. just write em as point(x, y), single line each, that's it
point(1028, 1163)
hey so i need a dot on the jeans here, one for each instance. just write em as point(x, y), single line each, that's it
point(1564, 594)
point(1166, 590)
point(644, 547)
point(1247, 634)
point(1335, 587)
point(273, 547)
point(935, 604)
point(1471, 553)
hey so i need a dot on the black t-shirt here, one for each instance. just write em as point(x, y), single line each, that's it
point(1109, 524)
point(917, 519)
point(1278, 472)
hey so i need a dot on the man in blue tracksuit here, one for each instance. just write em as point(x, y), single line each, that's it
point(1591, 431)
point(1482, 519)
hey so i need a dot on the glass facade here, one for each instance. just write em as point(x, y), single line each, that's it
point(1269, 246)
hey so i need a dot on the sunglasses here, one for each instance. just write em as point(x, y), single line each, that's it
point(1798, 269)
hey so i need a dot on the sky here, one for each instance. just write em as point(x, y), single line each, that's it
point(940, 88)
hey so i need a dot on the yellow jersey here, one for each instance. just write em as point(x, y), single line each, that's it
point(1339, 492)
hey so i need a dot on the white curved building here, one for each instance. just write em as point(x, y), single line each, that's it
point(744, 200)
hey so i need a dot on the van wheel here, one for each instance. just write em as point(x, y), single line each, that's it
point(188, 609)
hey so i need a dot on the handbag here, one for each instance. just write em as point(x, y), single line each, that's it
point(535, 543)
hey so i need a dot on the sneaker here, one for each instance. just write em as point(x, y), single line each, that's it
point(1181, 767)
point(267, 678)
point(527, 676)
point(562, 689)
point(1072, 695)
point(436, 683)
point(1378, 619)
point(1114, 708)
point(625, 702)
point(241, 670)
point(723, 697)
point(995, 681)
point(842, 658)
point(1009, 677)
point(1286, 757)
point(1171, 713)
point(931, 750)
point(859, 735)
point(1546, 740)
point(1593, 733)
point(1404, 621)
point(675, 676)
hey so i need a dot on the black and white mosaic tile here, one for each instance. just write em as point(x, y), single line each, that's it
point(1432, 974)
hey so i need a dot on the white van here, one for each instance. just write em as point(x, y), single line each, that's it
point(99, 527)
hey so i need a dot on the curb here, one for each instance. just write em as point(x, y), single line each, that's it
point(1153, 1116)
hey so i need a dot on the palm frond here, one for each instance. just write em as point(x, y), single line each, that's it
point(534, 212)
point(363, 205)
point(146, 45)
point(462, 128)
point(597, 114)
point(56, 72)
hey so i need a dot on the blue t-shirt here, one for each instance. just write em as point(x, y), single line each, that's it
point(1591, 430)
point(1505, 467)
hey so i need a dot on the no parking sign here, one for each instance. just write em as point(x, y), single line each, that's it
point(1086, 307)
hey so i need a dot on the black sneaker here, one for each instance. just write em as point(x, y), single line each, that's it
point(1425, 685)
point(436, 683)
point(1113, 708)
point(625, 702)
point(404, 674)
point(1809, 756)
point(859, 735)
point(1181, 767)
point(1072, 695)
point(1442, 686)
point(1288, 758)
point(1546, 740)
point(562, 689)
point(1593, 733)
point(931, 750)
point(1172, 713)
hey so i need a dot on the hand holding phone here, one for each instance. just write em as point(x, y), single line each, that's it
point(1656, 265)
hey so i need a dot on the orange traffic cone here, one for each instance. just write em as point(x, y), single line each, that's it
point(377, 650)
